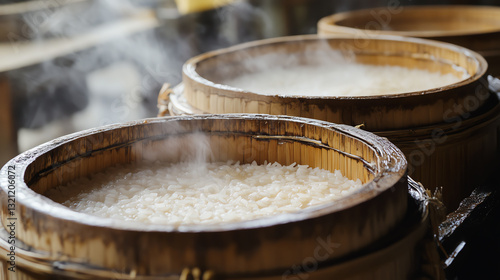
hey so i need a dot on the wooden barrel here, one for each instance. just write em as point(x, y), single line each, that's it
point(54, 240)
point(204, 76)
point(473, 27)
point(429, 126)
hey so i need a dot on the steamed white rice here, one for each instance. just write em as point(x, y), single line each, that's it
point(340, 79)
point(208, 193)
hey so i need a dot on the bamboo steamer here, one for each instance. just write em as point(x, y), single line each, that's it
point(203, 78)
point(474, 27)
point(53, 240)
point(457, 154)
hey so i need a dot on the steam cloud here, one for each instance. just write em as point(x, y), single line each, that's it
point(58, 88)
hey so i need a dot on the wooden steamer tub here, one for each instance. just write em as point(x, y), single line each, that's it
point(377, 221)
point(449, 134)
point(474, 27)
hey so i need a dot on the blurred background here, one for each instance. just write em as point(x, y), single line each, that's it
point(70, 65)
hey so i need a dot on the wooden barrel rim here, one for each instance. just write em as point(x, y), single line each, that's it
point(391, 162)
point(191, 76)
point(330, 23)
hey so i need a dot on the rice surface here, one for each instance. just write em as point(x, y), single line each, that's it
point(208, 193)
point(340, 79)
